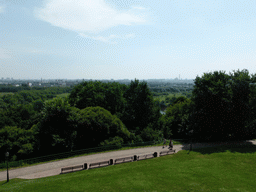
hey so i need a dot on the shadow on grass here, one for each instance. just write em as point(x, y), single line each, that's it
point(11, 181)
point(220, 147)
point(3, 183)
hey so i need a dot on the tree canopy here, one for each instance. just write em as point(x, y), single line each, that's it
point(96, 93)
point(176, 119)
point(222, 106)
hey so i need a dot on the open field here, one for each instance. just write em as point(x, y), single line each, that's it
point(206, 169)
point(63, 95)
point(162, 97)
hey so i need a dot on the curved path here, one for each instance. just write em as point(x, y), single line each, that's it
point(53, 168)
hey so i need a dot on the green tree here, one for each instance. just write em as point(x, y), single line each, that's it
point(96, 93)
point(139, 107)
point(176, 119)
point(150, 134)
point(97, 125)
point(18, 115)
point(240, 109)
point(221, 105)
point(38, 105)
point(17, 141)
point(251, 121)
point(57, 126)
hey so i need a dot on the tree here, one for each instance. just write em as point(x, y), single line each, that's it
point(150, 134)
point(251, 121)
point(96, 125)
point(176, 119)
point(139, 105)
point(57, 126)
point(18, 115)
point(38, 105)
point(17, 141)
point(96, 93)
point(221, 105)
point(240, 110)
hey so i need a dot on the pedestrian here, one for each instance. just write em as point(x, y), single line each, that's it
point(164, 143)
point(171, 144)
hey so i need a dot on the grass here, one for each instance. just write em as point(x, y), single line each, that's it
point(208, 169)
point(63, 95)
point(123, 148)
point(162, 97)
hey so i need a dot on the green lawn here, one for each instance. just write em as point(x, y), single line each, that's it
point(163, 97)
point(209, 169)
point(63, 95)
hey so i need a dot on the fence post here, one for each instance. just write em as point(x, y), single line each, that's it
point(155, 154)
point(135, 158)
point(85, 166)
point(111, 162)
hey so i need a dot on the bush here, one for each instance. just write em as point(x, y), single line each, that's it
point(149, 134)
point(117, 141)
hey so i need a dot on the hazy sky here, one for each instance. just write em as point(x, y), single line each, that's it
point(125, 39)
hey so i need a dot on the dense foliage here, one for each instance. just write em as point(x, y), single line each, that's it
point(223, 107)
point(94, 114)
point(133, 104)
point(34, 123)
point(176, 119)
point(19, 112)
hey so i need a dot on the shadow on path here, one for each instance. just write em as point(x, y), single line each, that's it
point(220, 147)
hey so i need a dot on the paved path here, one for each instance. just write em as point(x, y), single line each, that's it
point(53, 168)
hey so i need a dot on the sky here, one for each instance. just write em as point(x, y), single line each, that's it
point(125, 39)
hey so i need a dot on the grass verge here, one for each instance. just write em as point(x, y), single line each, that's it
point(205, 169)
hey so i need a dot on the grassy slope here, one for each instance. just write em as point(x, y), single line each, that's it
point(210, 169)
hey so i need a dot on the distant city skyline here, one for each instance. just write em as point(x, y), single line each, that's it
point(11, 78)
point(113, 39)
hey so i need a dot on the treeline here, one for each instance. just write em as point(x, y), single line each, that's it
point(94, 114)
point(12, 88)
point(222, 107)
point(31, 96)
point(18, 113)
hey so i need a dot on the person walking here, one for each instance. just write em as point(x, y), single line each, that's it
point(164, 143)
point(171, 144)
